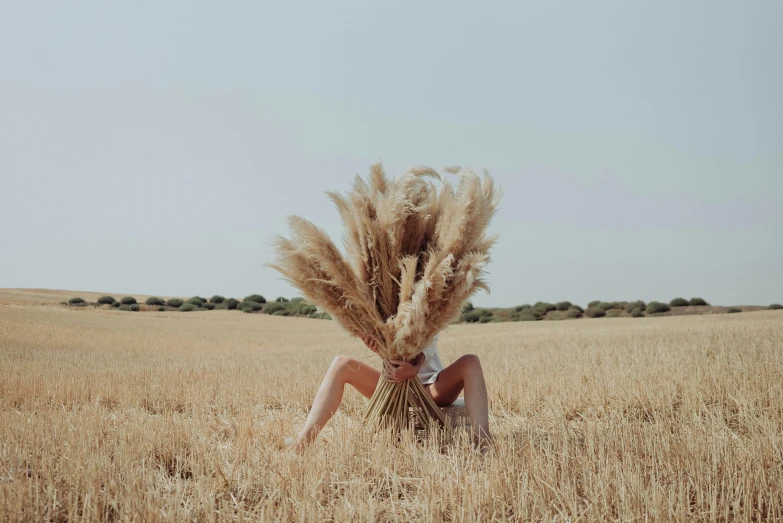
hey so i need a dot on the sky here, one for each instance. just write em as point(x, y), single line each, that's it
point(157, 147)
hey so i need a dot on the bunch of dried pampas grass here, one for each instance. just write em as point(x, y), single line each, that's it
point(416, 249)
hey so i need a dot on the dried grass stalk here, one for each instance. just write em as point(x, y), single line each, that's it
point(416, 249)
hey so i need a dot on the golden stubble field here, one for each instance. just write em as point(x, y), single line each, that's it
point(120, 416)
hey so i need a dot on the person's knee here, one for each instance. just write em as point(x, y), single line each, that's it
point(471, 361)
point(342, 363)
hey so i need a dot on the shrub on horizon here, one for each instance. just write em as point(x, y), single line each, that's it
point(679, 302)
point(76, 301)
point(116, 304)
point(563, 305)
point(575, 312)
point(209, 306)
point(637, 312)
point(123, 308)
point(595, 312)
point(188, 307)
point(733, 310)
point(161, 309)
point(775, 307)
point(257, 298)
point(471, 317)
point(128, 300)
point(231, 304)
point(154, 300)
point(195, 300)
point(467, 307)
point(281, 299)
point(593, 303)
point(217, 299)
point(638, 304)
point(134, 307)
point(252, 305)
point(307, 310)
point(175, 302)
point(656, 307)
point(106, 300)
point(698, 301)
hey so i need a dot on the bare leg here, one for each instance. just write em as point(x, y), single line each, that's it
point(343, 370)
point(466, 373)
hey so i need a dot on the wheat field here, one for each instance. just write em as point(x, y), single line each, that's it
point(147, 416)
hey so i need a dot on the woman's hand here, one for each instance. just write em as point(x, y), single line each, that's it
point(397, 371)
point(370, 343)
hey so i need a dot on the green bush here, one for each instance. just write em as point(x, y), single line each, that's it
point(557, 316)
point(698, 301)
point(544, 307)
point(63, 303)
point(273, 307)
point(593, 303)
point(526, 316)
point(123, 308)
point(471, 317)
point(656, 307)
point(614, 313)
point(485, 319)
point(231, 304)
point(154, 300)
point(257, 298)
point(116, 304)
point(175, 302)
point(188, 307)
point(217, 299)
point(107, 300)
point(679, 302)
point(637, 312)
point(161, 309)
point(252, 305)
point(76, 301)
point(128, 300)
point(609, 305)
point(467, 307)
point(134, 307)
point(775, 307)
point(563, 305)
point(281, 299)
point(733, 310)
point(307, 310)
point(209, 306)
point(221, 306)
point(281, 312)
point(575, 312)
point(195, 300)
point(638, 304)
point(595, 312)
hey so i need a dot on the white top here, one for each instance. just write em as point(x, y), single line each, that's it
point(432, 365)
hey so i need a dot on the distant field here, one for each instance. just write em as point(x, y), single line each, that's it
point(164, 416)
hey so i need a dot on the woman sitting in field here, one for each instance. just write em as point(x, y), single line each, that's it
point(443, 384)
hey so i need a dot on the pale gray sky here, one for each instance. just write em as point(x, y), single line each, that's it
point(156, 147)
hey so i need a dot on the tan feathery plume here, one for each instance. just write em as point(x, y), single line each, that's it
point(414, 253)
